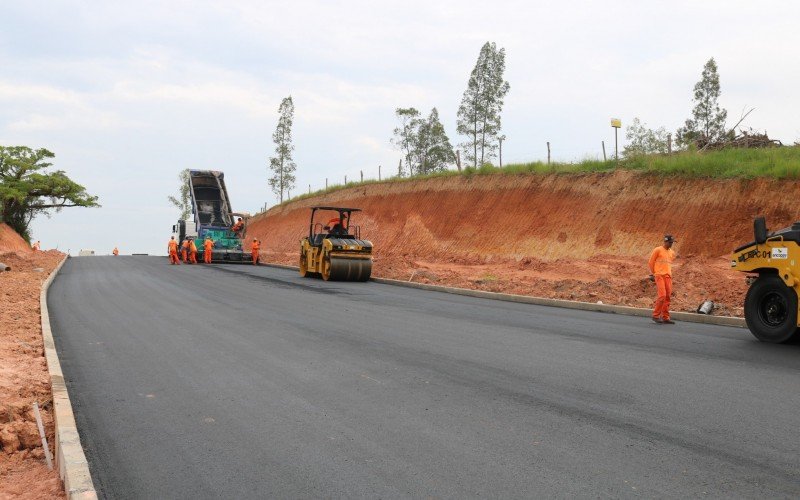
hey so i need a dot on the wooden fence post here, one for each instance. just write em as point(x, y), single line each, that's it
point(458, 159)
point(362, 176)
point(379, 172)
point(548, 152)
point(669, 144)
point(603, 143)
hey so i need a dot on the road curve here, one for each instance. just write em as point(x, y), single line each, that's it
point(243, 382)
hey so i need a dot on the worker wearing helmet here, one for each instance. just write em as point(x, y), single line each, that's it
point(208, 244)
point(660, 265)
point(172, 248)
point(254, 251)
point(192, 251)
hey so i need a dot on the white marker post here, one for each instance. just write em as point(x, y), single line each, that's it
point(41, 435)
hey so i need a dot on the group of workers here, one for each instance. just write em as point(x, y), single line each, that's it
point(188, 251)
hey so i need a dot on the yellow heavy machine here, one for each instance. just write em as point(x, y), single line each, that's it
point(773, 261)
point(335, 250)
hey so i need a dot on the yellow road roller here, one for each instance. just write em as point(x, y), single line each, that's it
point(333, 248)
point(773, 263)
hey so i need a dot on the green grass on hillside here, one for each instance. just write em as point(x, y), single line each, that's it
point(778, 163)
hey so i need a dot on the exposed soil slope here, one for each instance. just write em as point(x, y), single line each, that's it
point(579, 236)
point(23, 374)
point(10, 241)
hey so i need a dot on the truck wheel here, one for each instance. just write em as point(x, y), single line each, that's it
point(770, 310)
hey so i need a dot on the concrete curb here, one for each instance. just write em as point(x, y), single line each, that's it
point(70, 459)
point(565, 304)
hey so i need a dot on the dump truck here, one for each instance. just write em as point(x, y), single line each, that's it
point(772, 261)
point(211, 216)
point(334, 250)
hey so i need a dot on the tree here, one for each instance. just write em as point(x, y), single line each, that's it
point(282, 165)
point(27, 189)
point(643, 141)
point(433, 150)
point(184, 201)
point(405, 137)
point(481, 105)
point(708, 119)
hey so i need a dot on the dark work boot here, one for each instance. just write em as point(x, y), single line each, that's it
point(657, 320)
point(668, 322)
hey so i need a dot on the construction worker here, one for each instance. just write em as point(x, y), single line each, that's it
point(172, 247)
point(660, 265)
point(192, 251)
point(254, 250)
point(37, 246)
point(208, 244)
point(115, 252)
point(237, 228)
point(185, 250)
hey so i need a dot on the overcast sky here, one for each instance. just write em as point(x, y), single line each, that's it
point(126, 94)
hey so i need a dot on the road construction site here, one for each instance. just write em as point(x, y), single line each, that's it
point(250, 381)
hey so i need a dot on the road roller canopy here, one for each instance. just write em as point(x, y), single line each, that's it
point(342, 221)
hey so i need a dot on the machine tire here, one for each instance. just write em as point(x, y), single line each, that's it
point(303, 266)
point(326, 267)
point(770, 310)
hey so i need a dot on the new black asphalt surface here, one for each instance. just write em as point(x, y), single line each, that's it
point(244, 382)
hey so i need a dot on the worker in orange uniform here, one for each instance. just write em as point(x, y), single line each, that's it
point(207, 246)
point(115, 252)
point(185, 250)
point(237, 228)
point(254, 250)
point(37, 246)
point(661, 273)
point(192, 251)
point(172, 247)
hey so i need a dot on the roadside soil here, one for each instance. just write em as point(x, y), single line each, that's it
point(23, 372)
point(582, 237)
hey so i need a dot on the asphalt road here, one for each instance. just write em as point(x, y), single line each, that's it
point(243, 382)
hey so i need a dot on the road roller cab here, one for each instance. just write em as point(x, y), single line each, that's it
point(334, 249)
point(773, 263)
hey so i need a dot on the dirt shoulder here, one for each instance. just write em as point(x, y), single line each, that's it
point(24, 378)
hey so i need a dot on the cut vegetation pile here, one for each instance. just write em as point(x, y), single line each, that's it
point(581, 236)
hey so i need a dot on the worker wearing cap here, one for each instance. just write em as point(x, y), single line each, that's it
point(208, 244)
point(254, 250)
point(661, 272)
point(192, 251)
point(172, 247)
point(185, 250)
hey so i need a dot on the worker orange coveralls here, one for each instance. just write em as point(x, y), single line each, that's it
point(173, 252)
point(254, 251)
point(192, 252)
point(207, 246)
point(661, 268)
point(185, 251)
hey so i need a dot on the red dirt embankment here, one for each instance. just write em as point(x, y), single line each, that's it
point(23, 372)
point(580, 236)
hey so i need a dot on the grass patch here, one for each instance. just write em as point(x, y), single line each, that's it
point(776, 163)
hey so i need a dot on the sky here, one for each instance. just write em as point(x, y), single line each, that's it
point(127, 94)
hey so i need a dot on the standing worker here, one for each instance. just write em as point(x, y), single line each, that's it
point(192, 251)
point(185, 250)
point(254, 250)
point(172, 247)
point(207, 246)
point(115, 252)
point(661, 273)
point(37, 246)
